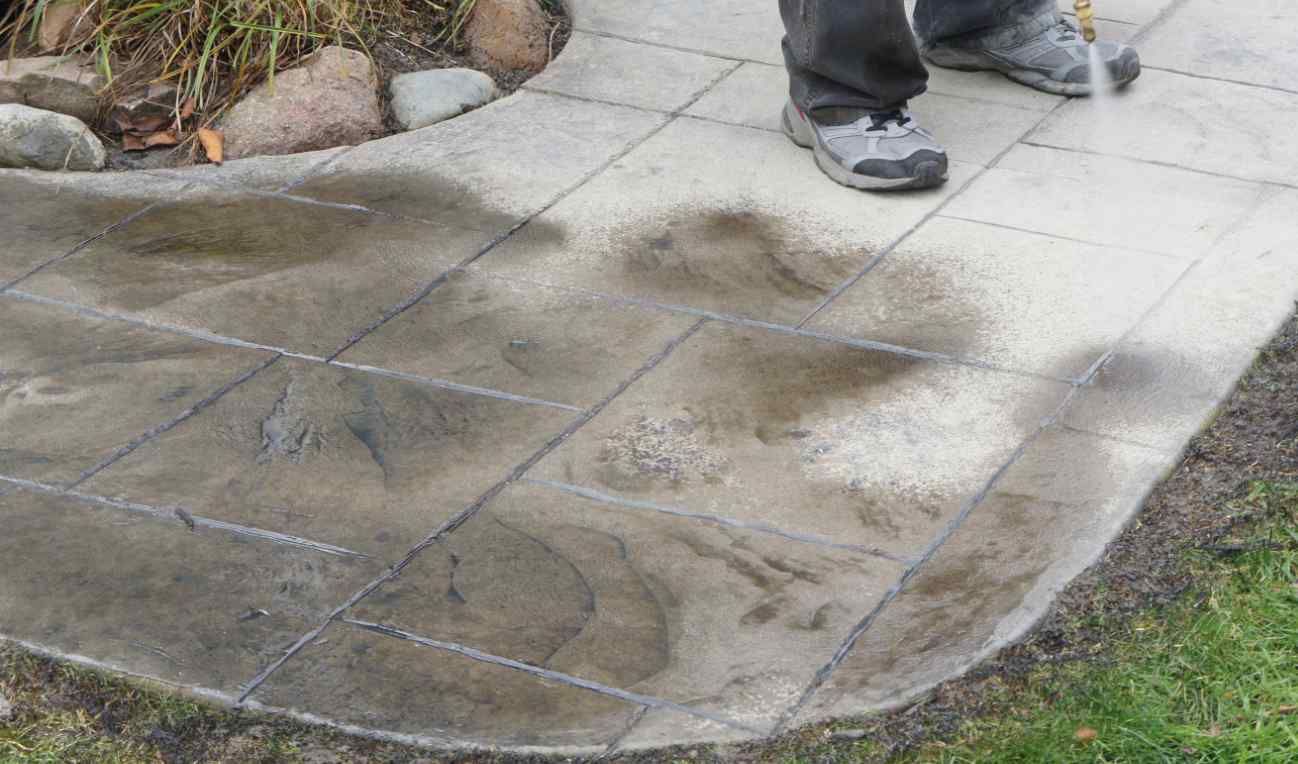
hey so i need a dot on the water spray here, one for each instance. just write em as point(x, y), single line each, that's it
point(1085, 19)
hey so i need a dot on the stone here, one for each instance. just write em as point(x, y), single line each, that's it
point(420, 99)
point(508, 34)
point(54, 83)
point(146, 110)
point(46, 140)
point(60, 20)
point(330, 100)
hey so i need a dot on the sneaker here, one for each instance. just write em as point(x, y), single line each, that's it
point(1056, 61)
point(879, 151)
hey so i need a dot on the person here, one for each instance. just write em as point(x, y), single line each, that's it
point(854, 64)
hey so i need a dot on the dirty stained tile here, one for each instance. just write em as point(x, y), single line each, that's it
point(488, 169)
point(262, 269)
point(647, 76)
point(679, 222)
point(1047, 519)
point(74, 389)
point(343, 457)
point(382, 683)
point(1012, 299)
point(47, 215)
point(1106, 200)
point(733, 621)
point(529, 340)
point(148, 596)
point(864, 447)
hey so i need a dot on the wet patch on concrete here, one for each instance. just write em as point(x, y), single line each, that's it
point(418, 196)
point(634, 599)
point(74, 389)
point(360, 461)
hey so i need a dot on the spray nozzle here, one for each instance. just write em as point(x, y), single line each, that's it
point(1086, 19)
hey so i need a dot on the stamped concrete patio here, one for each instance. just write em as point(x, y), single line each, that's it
point(597, 419)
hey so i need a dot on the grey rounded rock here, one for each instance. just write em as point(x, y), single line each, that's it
point(45, 140)
point(420, 99)
point(54, 83)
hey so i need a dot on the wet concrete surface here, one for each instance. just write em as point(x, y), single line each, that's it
point(355, 460)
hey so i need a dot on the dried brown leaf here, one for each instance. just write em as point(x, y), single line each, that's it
point(1085, 734)
point(213, 144)
point(162, 138)
point(132, 143)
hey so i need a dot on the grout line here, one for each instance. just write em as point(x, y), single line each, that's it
point(1227, 80)
point(592, 99)
point(451, 524)
point(456, 387)
point(175, 516)
point(617, 741)
point(1073, 239)
point(1161, 163)
point(1113, 438)
point(316, 169)
point(543, 673)
point(681, 48)
point(149, 435)
point(804, 538)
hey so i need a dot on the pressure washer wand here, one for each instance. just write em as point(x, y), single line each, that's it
point(1086, 19)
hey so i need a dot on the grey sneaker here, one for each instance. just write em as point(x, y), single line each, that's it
point(1056, 61)
point(879, 151)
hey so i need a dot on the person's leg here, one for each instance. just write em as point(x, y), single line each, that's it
point(852, 66)
point(1027, 40)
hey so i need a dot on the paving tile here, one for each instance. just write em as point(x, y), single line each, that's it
point(1115, 31)
point(989, 86)
point(972, 131)
point(730, 28)
point(359, 461)
point(665, 728)
point(680, 221)
point(1107, 200)
point(1130, 11)
point(150, 597)
point(733, 621)
point(74, 389)
point(267, 173)
point(1176, 119)
point(864, 447)
point(487, 169)
point(1045, 522)
point(1022, 300)
point(306, 277)
point(1243, 40)
point(635, 74)
point(386, 684)
point(46, 215)
point(1165, 382)
point(561, 346)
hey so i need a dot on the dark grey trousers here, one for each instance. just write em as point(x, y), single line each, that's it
point(862, 53)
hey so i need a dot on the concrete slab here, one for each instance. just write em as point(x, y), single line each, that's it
point(1040, 526)
point(1028, 302)
point(1243, 40)
point(731, 621)
point(737, 29)
point(266, 173)
point(684, 220)
point(971, 130)
point(355, 460)
point(1173, 119)
point(1107, 200)
point(1131, 11)
point(556, 345)
point(262, 269)
point(148, 596)
point(75, 389)
point(441, 699)
point(634, 74)
point(858, 446)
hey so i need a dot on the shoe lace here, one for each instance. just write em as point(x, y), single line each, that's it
point(879, 120)
point(1067, 30)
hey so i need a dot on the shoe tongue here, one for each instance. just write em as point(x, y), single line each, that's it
point(839, 115)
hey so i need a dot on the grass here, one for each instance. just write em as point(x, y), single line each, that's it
point(1213, 678)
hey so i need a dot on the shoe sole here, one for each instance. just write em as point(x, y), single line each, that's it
point(952, 58)
point(927, 174)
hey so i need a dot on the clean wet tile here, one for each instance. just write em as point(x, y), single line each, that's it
point(74, 389)
point(1177, 119)
point(859, 446)
point(630, 73)
point(971, 130)
point(488, 169)
point(609, 594)
point(147, 596)
point(1008, 298)
point(680, 221)
point(47, 215)
point(535, 341)
point(262, 269)
point(737, 29)
point(1107, 200)
point(388, 685)
point(355, 460)
point(1045, 521)
point(1242, 40)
